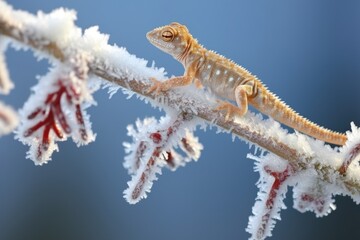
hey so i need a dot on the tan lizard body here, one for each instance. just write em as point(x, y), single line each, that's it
point(228, 80)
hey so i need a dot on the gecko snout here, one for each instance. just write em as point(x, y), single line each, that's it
point(148, 35)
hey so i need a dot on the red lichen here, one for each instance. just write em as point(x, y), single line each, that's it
point(53, 118)
point(160, 142)
point(156, 137)
point(80, 121)
point(187, 147)
point(139, 153)
point(169, 159)
point(143, 179)
point(279, 179)
point(317, 201)
point(354, 152)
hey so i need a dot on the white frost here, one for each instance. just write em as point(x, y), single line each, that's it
point(264, 218)
point(154, 146)
point(8, 119)
point(61, 81)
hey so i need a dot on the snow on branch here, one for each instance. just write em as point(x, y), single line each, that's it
point(56, 111)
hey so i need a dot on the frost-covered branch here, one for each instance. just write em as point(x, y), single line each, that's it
point(57, 110)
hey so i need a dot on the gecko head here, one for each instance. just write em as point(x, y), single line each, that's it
point(173, 39)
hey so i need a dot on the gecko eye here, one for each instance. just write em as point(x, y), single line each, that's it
point(167, 35)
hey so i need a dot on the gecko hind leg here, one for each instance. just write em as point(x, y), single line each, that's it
point(230, 110)
point(242, 93)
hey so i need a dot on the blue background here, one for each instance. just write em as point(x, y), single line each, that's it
point(307, 52)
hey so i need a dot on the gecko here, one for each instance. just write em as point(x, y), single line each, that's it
point(229, 81)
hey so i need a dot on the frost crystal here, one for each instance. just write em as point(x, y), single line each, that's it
point(313, 195)
point(55, 111)
point(314, 189)
point(351, 149)
point(154, 146)
point(274, 175)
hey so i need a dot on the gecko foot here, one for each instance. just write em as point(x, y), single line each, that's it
point(230, 110)
point(157, 86)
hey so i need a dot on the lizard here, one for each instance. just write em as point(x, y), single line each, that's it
point(227, 80)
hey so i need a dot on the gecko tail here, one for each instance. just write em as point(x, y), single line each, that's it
point(272, 106)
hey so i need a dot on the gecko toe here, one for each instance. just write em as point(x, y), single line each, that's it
point(155, 87)
point(229, 110)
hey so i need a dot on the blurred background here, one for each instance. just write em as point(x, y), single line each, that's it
point(307, 52)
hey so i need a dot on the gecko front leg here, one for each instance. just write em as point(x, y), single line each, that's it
point(158, 86)
point(242, 93)
point(180, 81)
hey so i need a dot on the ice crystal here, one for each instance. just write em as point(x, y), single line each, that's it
point(154, 146)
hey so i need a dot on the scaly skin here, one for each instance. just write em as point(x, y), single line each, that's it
point(228, 80)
